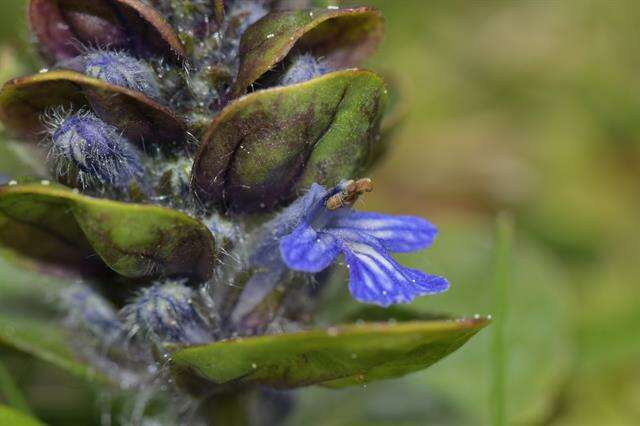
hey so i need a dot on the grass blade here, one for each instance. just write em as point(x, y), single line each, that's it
point(9, 390)
point(499, 351)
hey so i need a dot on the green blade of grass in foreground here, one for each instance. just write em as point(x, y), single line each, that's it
point(501, 279)
point(10, 392)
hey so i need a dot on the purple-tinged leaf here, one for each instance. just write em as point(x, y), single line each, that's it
point(342, 37)
point(266, 146)
point(65, 27)
point(24, 100)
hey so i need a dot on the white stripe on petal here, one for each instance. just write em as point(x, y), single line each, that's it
point(376, 278)
point(395, 233)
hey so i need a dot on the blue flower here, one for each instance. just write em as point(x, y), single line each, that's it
point(365, 240)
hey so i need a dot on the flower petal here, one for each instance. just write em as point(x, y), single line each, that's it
point(307, 250)
point(396, 233)
point(374, 277)
point(265, 252)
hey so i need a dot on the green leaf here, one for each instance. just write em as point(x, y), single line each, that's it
point(20, 279)
point(342, 37)
point(43, 339)
point(264, 146)
point(336, 357)
point(9, 416)
point(10, 391)
point(134, 240)
point(24, 100)
point(30, 324)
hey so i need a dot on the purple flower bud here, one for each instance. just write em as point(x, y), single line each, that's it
point(91, 312)
point(95, 149)
point(302, 68)
point(119, 69)
point(166, 313)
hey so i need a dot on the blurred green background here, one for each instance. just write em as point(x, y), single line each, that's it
point(529, 107)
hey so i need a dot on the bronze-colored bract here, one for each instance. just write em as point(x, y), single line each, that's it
point(64, 27)
point(135, 240)
point(343, 37)
point(265, 147)
point(24, 100)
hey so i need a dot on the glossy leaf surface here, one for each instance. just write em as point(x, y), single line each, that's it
point(336, 357)
point(263, 147)
point(342, 37)
point(134, 240)
point(24, 100)
point(63, 27)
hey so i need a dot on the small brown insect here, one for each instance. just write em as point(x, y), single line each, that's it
point(352, 191)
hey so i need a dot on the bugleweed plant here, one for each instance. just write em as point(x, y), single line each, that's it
point(206, 159)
